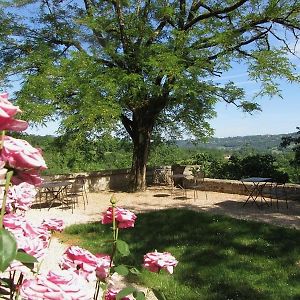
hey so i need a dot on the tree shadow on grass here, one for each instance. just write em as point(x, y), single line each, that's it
point(219, 257)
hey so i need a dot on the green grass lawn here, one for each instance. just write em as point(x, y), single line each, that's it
point(219, 257)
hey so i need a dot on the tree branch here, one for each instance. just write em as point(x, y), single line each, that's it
point(194, 7)
point(214, 13)
point(182, 8)
point(48, 6)
point(156, 32)
point(121, 21)
point(99, 37)
point(286, 23)
point(128, 124)
point(236, 47)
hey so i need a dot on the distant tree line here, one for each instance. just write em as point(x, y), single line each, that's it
point(62, 156)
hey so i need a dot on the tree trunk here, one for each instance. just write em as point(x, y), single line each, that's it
point(140, 155)
point(140, 130)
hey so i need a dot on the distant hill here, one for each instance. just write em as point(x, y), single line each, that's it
point(258, 142)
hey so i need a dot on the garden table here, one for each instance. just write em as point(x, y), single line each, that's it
point(255, 188)
point(56, 190)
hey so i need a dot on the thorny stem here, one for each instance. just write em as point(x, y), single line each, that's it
point(114, 247)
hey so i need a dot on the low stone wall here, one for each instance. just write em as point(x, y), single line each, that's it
point(291, 191)
point(99, 181)
point(119, 180)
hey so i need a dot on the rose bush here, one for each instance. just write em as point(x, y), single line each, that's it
point(25, 245)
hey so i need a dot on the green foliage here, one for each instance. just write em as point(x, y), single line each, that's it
point(259, 165)
point(64, 156)
point(125, 292)
point(152, 66)
point(218, 257)
point(122, 247)
point(122, 270)
point(8, 249)
point(25, 258)
point(293, 141)
point(113, 153)
point(210, 163)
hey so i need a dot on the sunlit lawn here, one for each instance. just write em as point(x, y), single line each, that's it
point(219, 257)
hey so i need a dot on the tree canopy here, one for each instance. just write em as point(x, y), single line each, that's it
point(150, 67)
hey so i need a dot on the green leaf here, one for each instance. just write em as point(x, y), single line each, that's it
point(122, 270)
point(8, 249)
point(139, 295)
point(25, 258)
point(134, 271)
point(123, 248)
point(159, 295)
point(125, 292)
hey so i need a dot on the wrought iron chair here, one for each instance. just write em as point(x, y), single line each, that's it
point(198, 182)
point(77, 190)
point(280, 193)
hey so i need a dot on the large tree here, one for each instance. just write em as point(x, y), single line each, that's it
point(149, 65)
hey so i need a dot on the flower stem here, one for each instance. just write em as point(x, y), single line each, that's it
point(2, 139)
point(115, 231)
point(7, 183)
point(97, 290)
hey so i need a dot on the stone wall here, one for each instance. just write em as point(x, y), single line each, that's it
point(99, 181)
point(290, 191)
point(119, 180)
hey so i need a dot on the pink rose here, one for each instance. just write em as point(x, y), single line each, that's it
point(103, 265)
point(33, 240)
point(32, 177)
point(33, 246)
point(56, 286)
point(21, 155)
point(22, 195)
point(53, 224)
point(155, 261)
point(80, 261)
point(15, 265)
point(111, 294)
point(124, 217)
point(18, 225)
point(12, 124)
point(14, 221)
point(7, 112)
point(7, 109)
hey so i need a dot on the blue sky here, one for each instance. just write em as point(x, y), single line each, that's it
point(278, 115)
